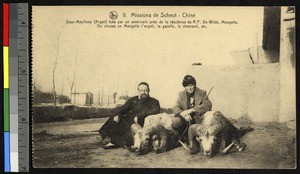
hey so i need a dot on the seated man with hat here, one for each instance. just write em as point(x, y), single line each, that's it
point(190, 105)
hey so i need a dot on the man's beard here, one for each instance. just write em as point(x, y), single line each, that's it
point(144, 96)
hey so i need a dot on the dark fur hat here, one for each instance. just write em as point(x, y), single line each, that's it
point(187, 80)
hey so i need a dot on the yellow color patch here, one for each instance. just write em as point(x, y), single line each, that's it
point(5, 67)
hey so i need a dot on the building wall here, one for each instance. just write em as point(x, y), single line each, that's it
point(264, 92)
point(242, 90)
point(287, 58)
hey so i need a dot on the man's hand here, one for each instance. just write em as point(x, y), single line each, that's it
point(187, 112)
point(116, 119)
point(135, 119)
point(188, 118)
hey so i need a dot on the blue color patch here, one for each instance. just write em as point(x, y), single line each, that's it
point(6, 151)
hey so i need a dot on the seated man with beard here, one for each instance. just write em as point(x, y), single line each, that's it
point(136, 109)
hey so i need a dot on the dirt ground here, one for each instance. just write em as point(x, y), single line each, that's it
point(75, 144)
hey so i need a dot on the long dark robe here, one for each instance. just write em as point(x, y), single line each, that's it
point(120, 133)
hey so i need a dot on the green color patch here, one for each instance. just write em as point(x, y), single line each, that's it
point(6, 110)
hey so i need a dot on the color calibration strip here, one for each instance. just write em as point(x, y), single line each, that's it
point(16, 87)
point(7, 165)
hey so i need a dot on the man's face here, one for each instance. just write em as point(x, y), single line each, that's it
point(190, 88)
point(143, 91)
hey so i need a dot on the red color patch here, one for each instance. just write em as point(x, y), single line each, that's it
point(5, 24)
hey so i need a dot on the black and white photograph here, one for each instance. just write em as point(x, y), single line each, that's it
point(163, 87)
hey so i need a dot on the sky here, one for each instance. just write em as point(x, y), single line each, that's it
point(118, 59)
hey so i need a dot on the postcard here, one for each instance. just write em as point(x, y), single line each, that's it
point(163, 87)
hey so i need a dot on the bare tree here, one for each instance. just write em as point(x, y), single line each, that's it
point(102, 94)
point(56, 46)
point(116, 91)
point(108, 100)
point(115, 96)
point(62, 86)
point(98, 98)
point(72, 81)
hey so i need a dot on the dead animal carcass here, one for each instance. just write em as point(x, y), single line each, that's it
point(214, 129)
point(157, 134)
